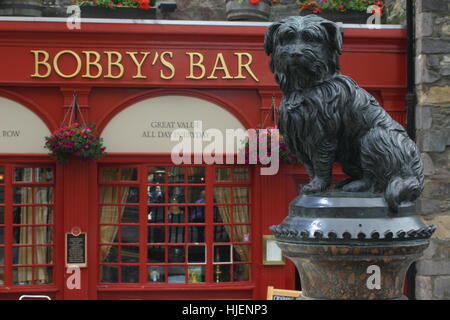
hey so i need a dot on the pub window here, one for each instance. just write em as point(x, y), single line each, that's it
point(174, 224)
point(29, 217)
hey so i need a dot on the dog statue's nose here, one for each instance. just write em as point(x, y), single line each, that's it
point(295, 54)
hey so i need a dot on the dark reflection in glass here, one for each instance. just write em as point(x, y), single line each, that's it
point(2, 215)
point(129, 254)
point(221, 234)
point(130, 274)
point(222, 253)
point(2, 195)
point(109, 253)
point(2, 235)
point(130, 234)
point(156, 254)
point(196, 195)
point(196, 234)
point(176, 254)
point(156, 235)
point(109, 274)
point(176, 234)
point(133, 194)
point(23, 174)
point(44, 174)
point(196, 254)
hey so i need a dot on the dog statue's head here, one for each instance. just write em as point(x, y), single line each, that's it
point(304, 51)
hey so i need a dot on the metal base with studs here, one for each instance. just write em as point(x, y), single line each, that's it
point(350, 245)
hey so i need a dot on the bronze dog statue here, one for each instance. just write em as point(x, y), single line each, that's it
point(326, 117)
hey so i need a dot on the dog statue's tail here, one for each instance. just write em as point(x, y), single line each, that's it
point(399, 190)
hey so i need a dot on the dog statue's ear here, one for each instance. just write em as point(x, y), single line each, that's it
point(268, 39)
point(335, 33)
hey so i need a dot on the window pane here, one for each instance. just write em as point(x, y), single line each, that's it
point(130, 214)
point(43, 275)
point(131, 194)
point(222, 233)
point(156, 274)
point(241, 214)
point(222, 195)
point(242, 233)
point(43, 235)
point(241, 195)
point(109, 214)
point(22, 195)
point(223, 174)
point(222, 253)
point(129, 254)
point(156, 254)
point(176, 274)
point(43, 195)
point(44, 174)
point(176, 174)
point(23, 174)
point(196, 234)
point(2, 256)
point(109, 274)
point(130, 274)
point(109, 254)
point(222, 273)
point(2, 215)
point(197, 214)
point(241, 272)
point(43, 215)
point(109, 174)
point(241, 253)
point(196, 274)
point(109, 234)
point(43, 255)
point(23, 235)
point(176, 214)
point(22, 255)
point(22, 275)
point(176, 234)
point(156, 175)
point(176, 254)
point(196, 174)
point(176, 195)
point(156, 235)
point(2, 174)
point(22, 215)
point(156, 215)
point(109, 195)
point(129, 174)
point(241, 175)
point(156, 194)
point(197, 254)
point(196, 195)
point(130, 234)
point(2, 235)
point(2, 195)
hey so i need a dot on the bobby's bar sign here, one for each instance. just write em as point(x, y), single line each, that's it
point(76, 250)
point(144, 65)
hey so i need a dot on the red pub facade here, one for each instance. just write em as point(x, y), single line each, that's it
point(151, 229)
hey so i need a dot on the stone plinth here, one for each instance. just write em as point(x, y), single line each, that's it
point(350, 246)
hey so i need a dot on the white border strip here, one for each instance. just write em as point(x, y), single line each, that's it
point(185, 22)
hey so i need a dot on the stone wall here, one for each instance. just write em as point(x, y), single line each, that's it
point(433, 139)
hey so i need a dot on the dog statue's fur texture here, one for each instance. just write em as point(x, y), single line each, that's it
point(326, 117)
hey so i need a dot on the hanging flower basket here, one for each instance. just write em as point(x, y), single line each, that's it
point(252, 146)
point(118, 9)
point(75, 140)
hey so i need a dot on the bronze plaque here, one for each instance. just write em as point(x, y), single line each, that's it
point(76, 254)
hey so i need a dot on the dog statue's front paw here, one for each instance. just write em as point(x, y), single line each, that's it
point(316, 185)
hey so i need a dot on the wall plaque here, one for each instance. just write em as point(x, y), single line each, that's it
point(76, 253)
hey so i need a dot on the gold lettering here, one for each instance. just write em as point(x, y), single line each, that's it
point(138, 64)
point(223, 67)
point(43, 62)
point(90, 63)
point(168, 65)
point(56, 67)
point(245, 66)
point(198, 64)
point(116, 64)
